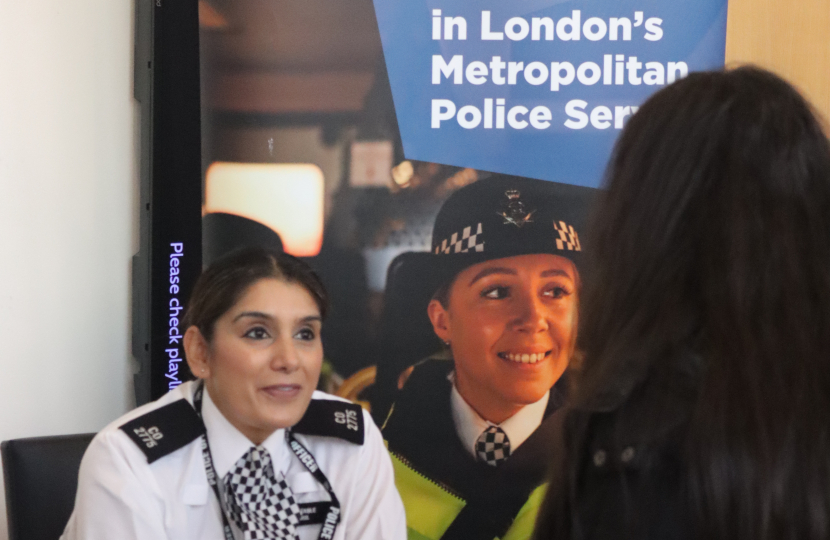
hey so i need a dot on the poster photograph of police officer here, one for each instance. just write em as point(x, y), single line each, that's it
point(454, 283)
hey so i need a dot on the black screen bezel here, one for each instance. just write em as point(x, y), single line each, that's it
point(167, 87)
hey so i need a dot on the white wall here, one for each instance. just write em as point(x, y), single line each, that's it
point(68, 216)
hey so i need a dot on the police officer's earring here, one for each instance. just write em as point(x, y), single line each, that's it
point(446, 344)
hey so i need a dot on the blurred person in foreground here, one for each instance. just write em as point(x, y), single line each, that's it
point(703, 404)
point(249, 449)
point(469, 431)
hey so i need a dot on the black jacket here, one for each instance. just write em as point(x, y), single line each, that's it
point(621, 472)
point(421, 431)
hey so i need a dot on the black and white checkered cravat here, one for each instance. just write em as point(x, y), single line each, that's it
point(493, 446)
point(261, 504)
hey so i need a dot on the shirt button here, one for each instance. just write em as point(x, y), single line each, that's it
point(599, 458)
point(627, 454)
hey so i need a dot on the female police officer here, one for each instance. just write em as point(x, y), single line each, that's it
point(468, 437)
point(248, 450)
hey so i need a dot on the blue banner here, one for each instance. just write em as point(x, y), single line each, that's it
point(537, 88)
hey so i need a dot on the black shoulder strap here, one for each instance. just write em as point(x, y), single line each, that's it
point(332, 418)
point(165, 430)
point(482, 521)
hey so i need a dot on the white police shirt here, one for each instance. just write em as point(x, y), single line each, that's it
point(122, 496)
point(469, 424)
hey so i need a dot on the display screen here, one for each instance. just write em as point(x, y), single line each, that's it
point(435, 162)
point(336, 132)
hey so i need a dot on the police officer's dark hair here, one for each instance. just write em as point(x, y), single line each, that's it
point(712, 241)
point(225, 281)
point(443, 293)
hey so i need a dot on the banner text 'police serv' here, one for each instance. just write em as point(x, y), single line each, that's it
point(608, 69)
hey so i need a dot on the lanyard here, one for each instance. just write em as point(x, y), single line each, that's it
point(305, 457)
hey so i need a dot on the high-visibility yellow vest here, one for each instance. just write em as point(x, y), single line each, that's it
point(431, 508)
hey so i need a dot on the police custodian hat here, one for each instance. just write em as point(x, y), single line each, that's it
point(506, 216)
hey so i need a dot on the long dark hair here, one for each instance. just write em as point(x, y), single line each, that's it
point(713, 237)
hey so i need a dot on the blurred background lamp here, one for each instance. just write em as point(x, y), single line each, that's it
point(288, 198)
point(402, 173)
point(370, 163)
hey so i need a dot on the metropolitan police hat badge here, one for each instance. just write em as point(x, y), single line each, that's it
point(514, 212)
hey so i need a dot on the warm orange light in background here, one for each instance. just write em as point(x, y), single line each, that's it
point(210, 17)
point(402, 173)
point(288, 198)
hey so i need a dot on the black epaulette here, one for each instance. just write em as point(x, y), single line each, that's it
point(332, 418)
point(164, 430)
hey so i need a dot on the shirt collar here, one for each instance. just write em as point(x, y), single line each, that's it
point(469, 425)
point(228, 444)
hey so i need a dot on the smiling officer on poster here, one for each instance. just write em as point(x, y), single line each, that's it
point(469, 436)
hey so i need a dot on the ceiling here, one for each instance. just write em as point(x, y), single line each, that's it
point(288, 56)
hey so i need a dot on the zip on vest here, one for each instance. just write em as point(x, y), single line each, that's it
point(440, 485)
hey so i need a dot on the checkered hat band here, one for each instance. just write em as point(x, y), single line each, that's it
point(467, 240)
point(261, 504)
point(493, 446)
point(471, 239)
point(567, 239)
